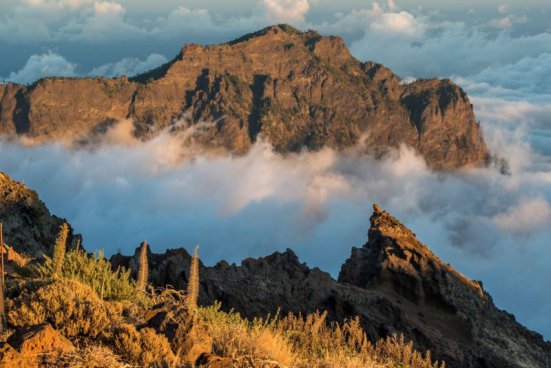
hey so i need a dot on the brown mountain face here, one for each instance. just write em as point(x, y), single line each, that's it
point(295, 89)
point(393, 283)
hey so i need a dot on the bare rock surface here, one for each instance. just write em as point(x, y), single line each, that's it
point(28, 225)
point(295, 89)
point(35, 342)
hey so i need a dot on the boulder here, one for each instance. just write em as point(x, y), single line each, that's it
point(36, 341)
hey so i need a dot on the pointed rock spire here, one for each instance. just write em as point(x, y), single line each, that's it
point(394, 261)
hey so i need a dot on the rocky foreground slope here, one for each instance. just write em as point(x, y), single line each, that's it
point(393, 282)
point(295, 89)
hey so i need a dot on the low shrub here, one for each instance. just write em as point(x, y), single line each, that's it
point(94, 271)
point(71, 307)
point(145, 347)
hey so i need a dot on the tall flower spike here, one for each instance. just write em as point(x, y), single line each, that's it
point(193, 283)
point(141, 283)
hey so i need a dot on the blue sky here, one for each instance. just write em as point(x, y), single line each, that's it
point(90, 33)
point(490, 227)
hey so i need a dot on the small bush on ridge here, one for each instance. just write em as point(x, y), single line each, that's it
point(94, 271)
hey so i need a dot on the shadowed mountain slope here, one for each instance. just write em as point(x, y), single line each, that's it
point(393, 282)
point(28, 226)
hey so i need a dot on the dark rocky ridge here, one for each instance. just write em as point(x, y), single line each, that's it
point(296, 89)
point(393, 282)
point(28, 226)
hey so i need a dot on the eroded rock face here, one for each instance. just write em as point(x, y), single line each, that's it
point(28, 226)
point(295, 89)
point(441, 303)
point(393, 283)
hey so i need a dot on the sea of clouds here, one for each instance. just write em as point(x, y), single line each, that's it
point(491, 227)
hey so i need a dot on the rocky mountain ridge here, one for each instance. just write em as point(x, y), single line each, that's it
point(393, 283)
point(295, 89)
point(28, 225)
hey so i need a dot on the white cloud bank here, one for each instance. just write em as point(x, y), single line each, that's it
point(51, 64)
point(286, 11)
point(38, 66)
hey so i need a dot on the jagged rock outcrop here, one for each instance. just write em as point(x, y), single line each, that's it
point(393, 283)
point(34, 342)
point(295, 89)
point(441, 302)
point(28, 226)
point(28, 347)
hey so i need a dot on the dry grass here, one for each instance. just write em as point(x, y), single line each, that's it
point(91, 356)
point(307, 342)
point(238, 338)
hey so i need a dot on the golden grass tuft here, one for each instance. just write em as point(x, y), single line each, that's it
point(90, 356)
point(308, 342)
point(237, 338)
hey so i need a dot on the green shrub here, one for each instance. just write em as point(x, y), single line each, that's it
point(94, 271)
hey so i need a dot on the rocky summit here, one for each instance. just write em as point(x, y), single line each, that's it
point(393, 283)
point(294, 89)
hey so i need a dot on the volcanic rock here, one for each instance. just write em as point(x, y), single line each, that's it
point(35, 341)
point(393, 283)
point(294, 89)
point(28, 226)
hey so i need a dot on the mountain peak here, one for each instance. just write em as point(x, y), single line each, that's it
point(394, 261)
point(298, 90)
point(394, 284)
point(270, 30)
